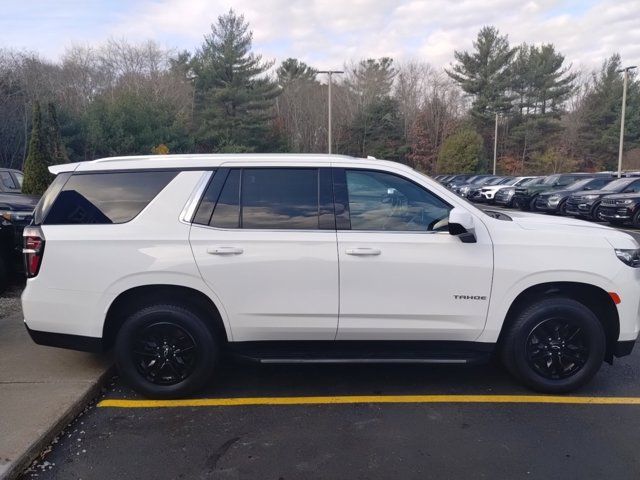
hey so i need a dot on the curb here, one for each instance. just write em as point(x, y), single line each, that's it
point(21, 463)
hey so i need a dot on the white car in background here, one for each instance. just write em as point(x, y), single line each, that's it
point(488, 193)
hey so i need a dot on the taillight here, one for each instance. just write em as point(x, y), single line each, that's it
point(33, 250)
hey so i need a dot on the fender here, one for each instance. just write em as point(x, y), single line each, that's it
point(178, 279)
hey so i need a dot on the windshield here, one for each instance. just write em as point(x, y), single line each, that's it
point(550, 180)
point(580, 184)
point(618, 184)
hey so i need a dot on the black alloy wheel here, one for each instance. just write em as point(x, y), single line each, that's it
point(555, 345)
point(556, 348)
point(165, 353)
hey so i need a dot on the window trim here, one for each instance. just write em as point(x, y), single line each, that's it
point(324, 182)
point(343, 192)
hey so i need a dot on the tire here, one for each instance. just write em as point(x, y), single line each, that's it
point(562, 208)
point(585, 342)
point(173, 335)
point(595, 213)
point(532, 204)
point(636, 219)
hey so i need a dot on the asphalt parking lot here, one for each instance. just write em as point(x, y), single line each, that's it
point(398, 421)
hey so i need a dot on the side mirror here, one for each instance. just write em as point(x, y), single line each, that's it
point(461, 225)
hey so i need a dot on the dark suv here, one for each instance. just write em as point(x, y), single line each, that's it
point(587, 204)
point(525, 197)
point(555, 201)
point(15, 213)
point(621, 208)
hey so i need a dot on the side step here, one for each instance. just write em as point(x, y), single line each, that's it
point(343, 351)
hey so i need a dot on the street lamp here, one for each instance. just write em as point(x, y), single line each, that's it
point(495, 145)
point(330, 73)
point(624, 106)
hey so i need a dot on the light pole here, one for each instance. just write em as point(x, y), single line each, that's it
point(624, 107)
point(495, 145)
point(330, 73)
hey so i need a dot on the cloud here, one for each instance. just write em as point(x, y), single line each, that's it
point(327, 33)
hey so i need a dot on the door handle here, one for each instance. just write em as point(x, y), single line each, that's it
point(363, 251)
point(224, 250)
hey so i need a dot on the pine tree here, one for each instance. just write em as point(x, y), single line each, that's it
point(57, 152)
point(36, 174)
point(292, 69)
point(234, 98)
point(485, 74)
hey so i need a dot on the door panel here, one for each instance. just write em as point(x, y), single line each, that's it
point(268, 251)
point(401, 276)
point(407, 291)
point(273, 285)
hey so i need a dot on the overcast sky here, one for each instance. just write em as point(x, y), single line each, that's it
point(326, 33)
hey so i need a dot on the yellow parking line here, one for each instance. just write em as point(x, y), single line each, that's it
point(234, 402)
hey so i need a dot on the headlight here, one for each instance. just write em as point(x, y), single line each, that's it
point(554, 198)
point(629, 256)
point(588, 198)
point(509, 191)
point(627, 201)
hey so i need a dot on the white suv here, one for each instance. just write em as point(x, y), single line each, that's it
point(177, 260)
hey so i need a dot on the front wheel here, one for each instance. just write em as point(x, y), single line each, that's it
point(554, 346)
point(165, 351)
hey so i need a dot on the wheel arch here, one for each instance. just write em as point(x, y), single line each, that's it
point(593, 297)
point(139, 296)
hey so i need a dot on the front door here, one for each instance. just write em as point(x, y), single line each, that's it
point(264, 240)
point(402, 275)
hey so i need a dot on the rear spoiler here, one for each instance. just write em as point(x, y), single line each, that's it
point(65, 167)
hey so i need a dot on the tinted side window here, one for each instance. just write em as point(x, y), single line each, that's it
point(385, 202)
point(105, 198)
point(226, 213)
point(633, 188)
point(7, 181)
point(279, 198)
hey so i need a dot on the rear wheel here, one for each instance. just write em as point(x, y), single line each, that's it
point(554, 346)
point(165, 351)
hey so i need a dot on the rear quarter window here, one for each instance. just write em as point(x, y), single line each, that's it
point(106, 198)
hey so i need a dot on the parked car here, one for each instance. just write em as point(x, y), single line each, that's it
point(488, 192)
point(621, 208)
point(504, 196)
point(15, 214)
point(555, 201)
point(586, 204)
point(476, 181)
point(525, 196)
point(474, 193)
point(458, 180)
point(178, 260)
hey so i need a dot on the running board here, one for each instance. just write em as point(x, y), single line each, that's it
point(369, 352)
point(364, 360)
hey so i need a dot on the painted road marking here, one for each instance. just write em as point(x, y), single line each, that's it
point(336, 400)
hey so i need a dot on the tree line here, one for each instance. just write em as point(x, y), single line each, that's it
point(123, 99)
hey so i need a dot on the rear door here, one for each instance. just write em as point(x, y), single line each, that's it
point(264, 240)
point(402, 275)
